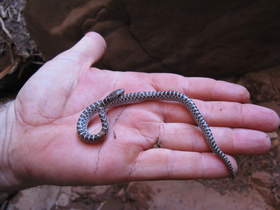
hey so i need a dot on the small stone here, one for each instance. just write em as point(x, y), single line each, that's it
point(63, 200)
point(262, 178)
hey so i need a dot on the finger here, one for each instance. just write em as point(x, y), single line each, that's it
point(61, 73)
point(180, 136)
point(224, 114)
point(85, 52)
point(170, 164)
point(200, 88)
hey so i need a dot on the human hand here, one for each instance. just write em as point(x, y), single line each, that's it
point(41, 145)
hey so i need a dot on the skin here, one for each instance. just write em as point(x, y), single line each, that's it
point(39, 143)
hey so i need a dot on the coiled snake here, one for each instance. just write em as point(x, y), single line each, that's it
point(118, 97)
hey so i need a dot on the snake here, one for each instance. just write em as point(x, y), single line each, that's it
point(119, 97)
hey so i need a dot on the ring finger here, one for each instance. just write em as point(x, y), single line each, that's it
point(186, 137)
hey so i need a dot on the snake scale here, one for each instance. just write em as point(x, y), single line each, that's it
point(118, 98)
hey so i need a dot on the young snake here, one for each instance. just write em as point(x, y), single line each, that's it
point(118, 97)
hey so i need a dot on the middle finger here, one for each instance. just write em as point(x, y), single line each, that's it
point(225, 114)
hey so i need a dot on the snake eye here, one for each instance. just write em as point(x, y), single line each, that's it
point(119, 92)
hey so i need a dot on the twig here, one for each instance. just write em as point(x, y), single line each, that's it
point(3, 12)
point(6, 31)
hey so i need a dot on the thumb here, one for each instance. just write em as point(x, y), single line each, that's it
point(87, 51)
point(56, 79)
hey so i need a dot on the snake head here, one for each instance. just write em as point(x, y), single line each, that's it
point(113, 96)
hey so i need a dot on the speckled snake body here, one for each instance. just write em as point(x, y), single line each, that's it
point(118, 98)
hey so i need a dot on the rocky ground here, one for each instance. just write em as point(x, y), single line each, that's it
point(257, 185)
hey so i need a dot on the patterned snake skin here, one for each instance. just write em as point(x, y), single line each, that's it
point(117, 98)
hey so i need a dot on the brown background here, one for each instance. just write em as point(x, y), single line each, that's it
point(195, 37)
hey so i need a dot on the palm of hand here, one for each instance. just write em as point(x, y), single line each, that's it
point(49, 113)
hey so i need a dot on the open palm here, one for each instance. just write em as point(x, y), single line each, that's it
point(151, 140)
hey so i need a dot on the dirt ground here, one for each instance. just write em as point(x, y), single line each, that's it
point(257, 185)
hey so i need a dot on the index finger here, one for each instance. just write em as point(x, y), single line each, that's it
point(199, 87)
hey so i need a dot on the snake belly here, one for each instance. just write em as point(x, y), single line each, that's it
point(118, 98)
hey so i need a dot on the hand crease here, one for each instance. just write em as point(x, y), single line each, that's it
point(132, 169)
point(96, 169)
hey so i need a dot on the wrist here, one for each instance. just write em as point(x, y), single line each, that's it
point(8, 179)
